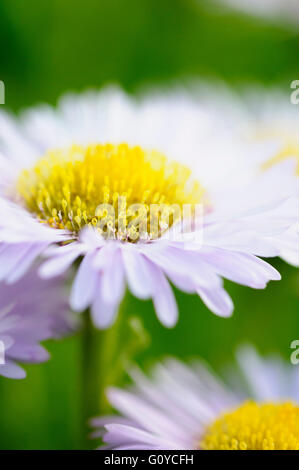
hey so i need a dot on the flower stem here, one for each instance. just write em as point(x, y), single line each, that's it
point(91, 377)
point(105, 355)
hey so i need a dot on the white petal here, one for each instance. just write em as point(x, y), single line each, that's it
point(84, 285)
point(103, 314)
point(137, 273)
point(59, 263)
point(163, 297)
point(12, 371)
point(25, 263)
point(217, 300)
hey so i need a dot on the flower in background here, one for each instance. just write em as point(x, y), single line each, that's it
point(184, 407)
point(269, 119)
point(267, 122)
point(31, 311)
point(272, 124)
point(63, 170)
point(286, 11)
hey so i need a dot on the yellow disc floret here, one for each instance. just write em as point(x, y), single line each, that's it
point(108, 186)
point(289, 145)
point(290, 150)
point(255, 426)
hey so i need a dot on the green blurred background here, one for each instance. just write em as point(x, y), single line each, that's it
point(52, 46)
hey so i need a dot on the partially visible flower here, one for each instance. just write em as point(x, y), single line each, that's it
point(31, 311)
point(285, 11)
point(63, 168)
point(273, 122)
point(184, 407)
point(267, 122)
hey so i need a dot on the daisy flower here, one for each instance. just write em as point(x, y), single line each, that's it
point(73, 179)
point(31, 311)
point(268, 124)
point(282, 10)
point(183, 407)
point(273, 121)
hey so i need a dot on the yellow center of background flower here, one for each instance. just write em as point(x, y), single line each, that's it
point(290, 150)
point(289, 145)
point(255, 427)
point(66, 188)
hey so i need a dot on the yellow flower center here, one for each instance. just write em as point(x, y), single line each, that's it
point(255, 426)
point(108, 187)
point(289, 145)
point(289, 150)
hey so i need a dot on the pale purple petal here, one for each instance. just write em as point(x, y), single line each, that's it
point(217, 300)
point(84, 285)
point(242, 268)
point(61, 260)
point(113, 279)
point(133, 436)
point(12, 371)
point(103, 314)
point(31, 310)
point(137, 273)
point(163, 297)
point(151, 419)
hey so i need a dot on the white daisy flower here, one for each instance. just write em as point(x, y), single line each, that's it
point(182, 407)
point(267, 122)
point(273, 125)
point(63, 170)
point(286, 11)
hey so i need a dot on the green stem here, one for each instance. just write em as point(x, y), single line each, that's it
point(91, 377)
point(105, 354)
point(99, 360)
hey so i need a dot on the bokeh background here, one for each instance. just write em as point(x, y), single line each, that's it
point(52, 46)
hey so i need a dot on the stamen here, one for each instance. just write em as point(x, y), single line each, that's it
point(290, 150)
point(108, 186)
point(255, 426)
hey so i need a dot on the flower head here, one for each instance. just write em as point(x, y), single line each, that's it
point(268, 124)
point(90, 186)
point(140, 193)
point(286, 11)
point(31, 311)
point(184, 407)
